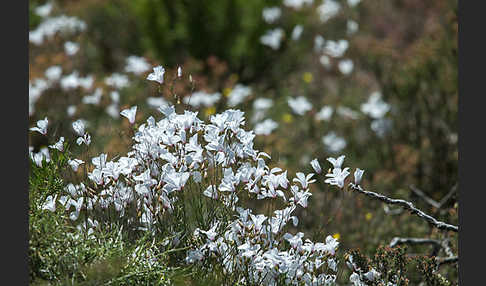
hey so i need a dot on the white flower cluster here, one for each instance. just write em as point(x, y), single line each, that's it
point(51, 26)
point(180, 149)
point(256, 244)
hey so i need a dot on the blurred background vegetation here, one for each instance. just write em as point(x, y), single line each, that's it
point(405, 49)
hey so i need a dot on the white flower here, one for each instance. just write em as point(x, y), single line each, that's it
point(86, 139)
point(271, 14)
point(179, 71)
point(53, 73)
point(58, 145)
point(299, 105)
point(272, 38)
point(297, 32)
point(99, 161)
point(325, 61)
point(333, 142)
point(266, 127)
point(335, 49)
point(94, 98)
point(357, 176)
point(155, 102)
point(44, 10)
point(201, 98)
point(328, 9)
point(303, 179)
point(262, 103)
point(86, 82)
point(157, 74)
point(117, 80)
point(78, 127)
point(318, 43)
point(75, 164)
point(332, 264)
point(167, 110)
point(324, 114)
point(316, 166)
point(136, 65)
point(338, 162)
point(211, 234)
point(300, 197)
point(297, 4)
point(238, 94)
point(352, 27)
point(71, 110)
point(41, 126)
point(115, 96)
point(130, 113)
point(381, 126)
point(211, 192)
point(347, 112)
point(375, 106)
point(71, 48)
point(193, 256)
point(113, 110)
point(294, 240)
point(346, 66)
point(354, 278)
point(372, 274)
point(50, 203)
point(77, 205)
point(37, 158)
point(337, 177)
point(73, 81)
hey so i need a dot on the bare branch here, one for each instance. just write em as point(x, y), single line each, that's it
point(408, 240)
point(446, 260)
point(438, 244)
point(407, 205)
point(448, 196)
point(431, 201)
point(426, 198)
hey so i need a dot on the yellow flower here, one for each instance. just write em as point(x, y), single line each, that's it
point(368, 216)
point(226, 91)
point(307, 77)
point(336, 235)
point(210, 111)
point(287, 118)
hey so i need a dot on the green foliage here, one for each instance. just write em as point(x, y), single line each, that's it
point(61, 253)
